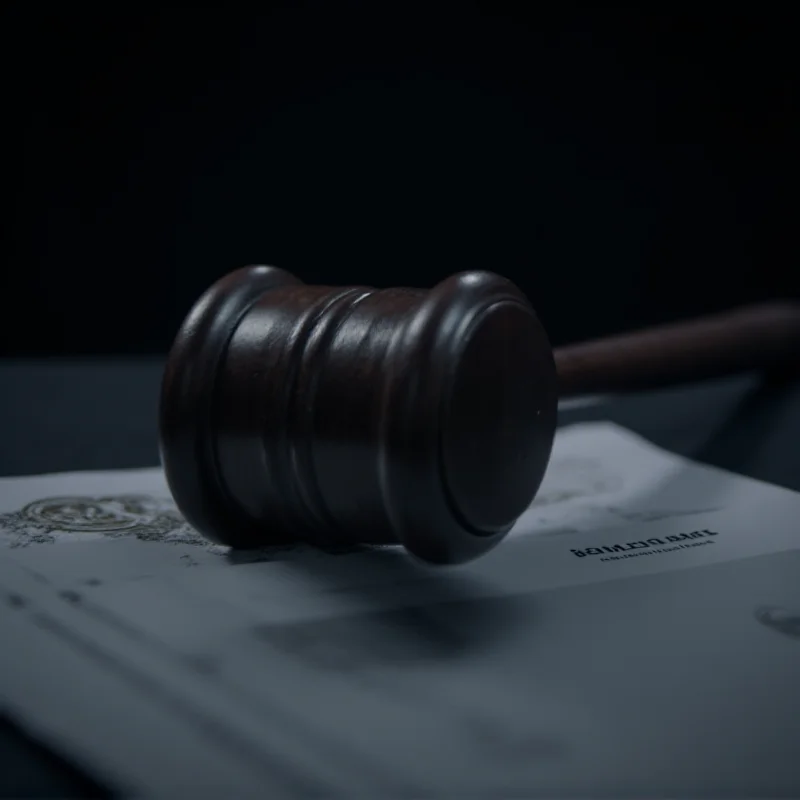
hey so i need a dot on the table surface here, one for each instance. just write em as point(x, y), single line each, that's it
point(58, 415)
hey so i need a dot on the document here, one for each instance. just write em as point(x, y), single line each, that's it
point(637, 633)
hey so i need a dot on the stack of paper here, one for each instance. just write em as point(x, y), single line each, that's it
point(637, 633)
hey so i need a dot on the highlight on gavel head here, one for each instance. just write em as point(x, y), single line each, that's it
point(342, 415)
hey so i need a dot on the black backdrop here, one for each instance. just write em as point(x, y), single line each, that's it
point(622, 166)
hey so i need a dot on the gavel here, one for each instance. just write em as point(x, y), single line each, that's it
point(426, 418)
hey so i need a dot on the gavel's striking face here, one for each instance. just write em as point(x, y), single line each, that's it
point(352, 414)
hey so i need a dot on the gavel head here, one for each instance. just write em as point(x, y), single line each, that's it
point(355, 415)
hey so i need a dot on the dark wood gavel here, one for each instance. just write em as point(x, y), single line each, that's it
point(340, 415)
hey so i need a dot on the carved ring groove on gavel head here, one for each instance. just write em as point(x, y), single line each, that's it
point(343, 415)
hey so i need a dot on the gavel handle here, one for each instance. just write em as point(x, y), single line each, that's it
point(759, 337)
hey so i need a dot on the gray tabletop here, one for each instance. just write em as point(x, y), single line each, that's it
point(101, 414)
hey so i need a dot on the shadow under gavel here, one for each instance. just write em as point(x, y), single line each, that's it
point(340, 415)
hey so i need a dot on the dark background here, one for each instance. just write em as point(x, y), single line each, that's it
point(623, 166)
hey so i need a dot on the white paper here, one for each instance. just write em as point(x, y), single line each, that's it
point(640, 593)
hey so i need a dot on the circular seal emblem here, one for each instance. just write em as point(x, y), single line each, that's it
point(55, 518)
